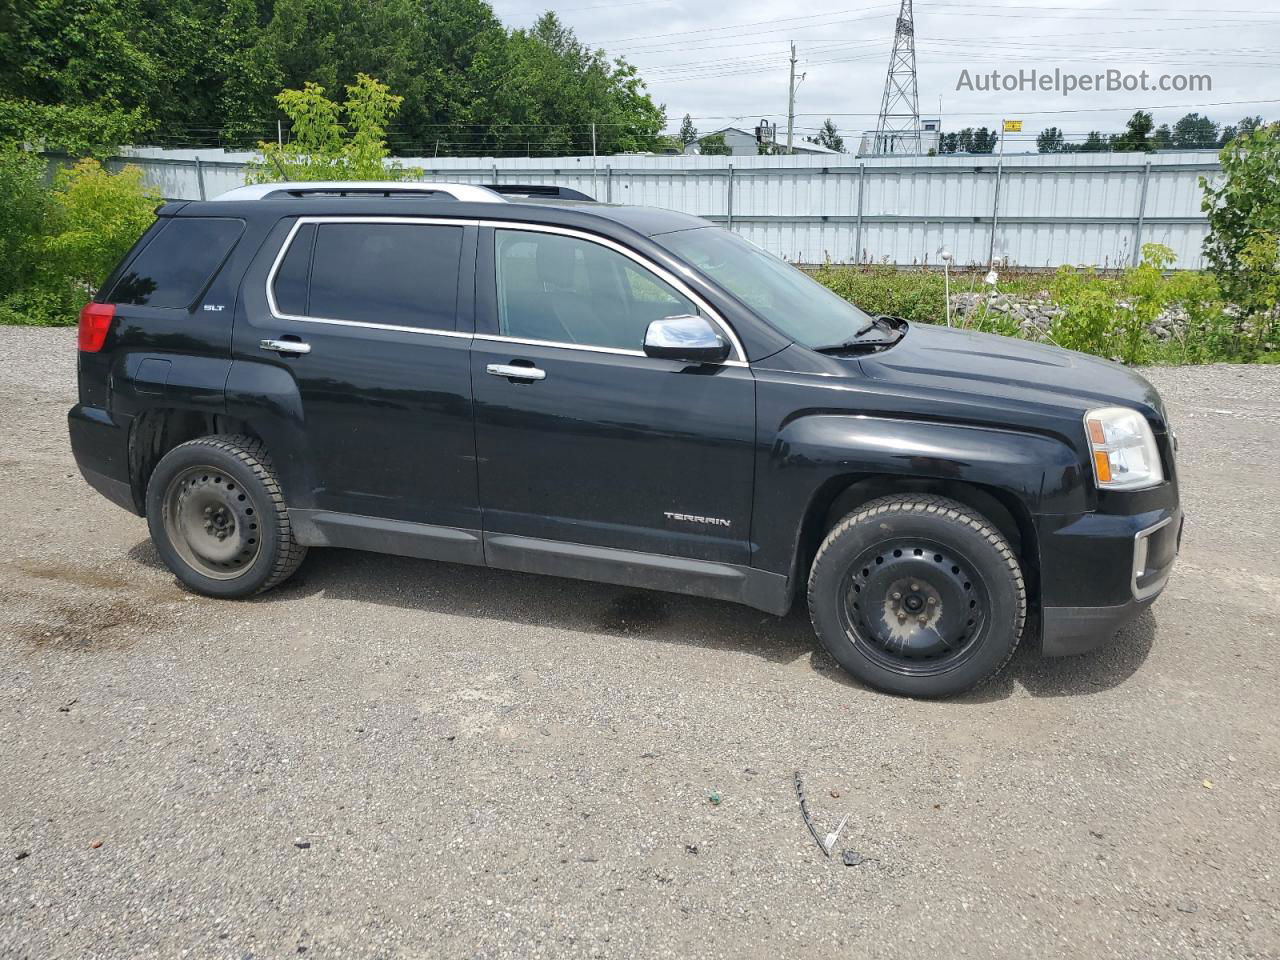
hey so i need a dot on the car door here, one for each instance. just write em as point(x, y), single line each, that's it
point(599, 445)
point(352, 347)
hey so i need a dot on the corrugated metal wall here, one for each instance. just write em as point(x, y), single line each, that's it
point(1035, 211)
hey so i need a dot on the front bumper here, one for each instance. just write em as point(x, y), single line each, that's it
point(1102, 571)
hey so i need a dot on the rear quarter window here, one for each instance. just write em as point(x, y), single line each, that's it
point(175, 267)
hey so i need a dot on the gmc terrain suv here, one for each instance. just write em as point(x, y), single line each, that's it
point(514, 378)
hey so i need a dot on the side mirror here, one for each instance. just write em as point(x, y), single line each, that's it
point(687, 338)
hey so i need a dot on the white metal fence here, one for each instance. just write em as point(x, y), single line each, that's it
point(1029, 211)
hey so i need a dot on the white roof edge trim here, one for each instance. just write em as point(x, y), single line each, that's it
point(459, 191)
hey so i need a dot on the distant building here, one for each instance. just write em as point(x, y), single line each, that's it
point(744, 143)
point(904, 143)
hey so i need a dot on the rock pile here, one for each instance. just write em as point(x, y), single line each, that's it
point(1035, 314)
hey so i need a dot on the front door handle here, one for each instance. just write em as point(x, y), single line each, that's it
point(285, 346)
point(513, 372)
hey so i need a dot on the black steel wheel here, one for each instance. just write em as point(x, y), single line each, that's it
point(211, 523)
point(218, 518)
point(917, 595)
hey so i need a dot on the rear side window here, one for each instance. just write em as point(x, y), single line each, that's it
point(398, 274)
point(176, 266)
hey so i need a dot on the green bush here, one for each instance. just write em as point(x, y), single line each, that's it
point(72, 235)
point(1243, 245)
point(24, 200)
point(916, 295)
point(79, 130)
point(97, 216)
point(1108, 315)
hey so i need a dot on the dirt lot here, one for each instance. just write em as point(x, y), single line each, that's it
point(395, 758)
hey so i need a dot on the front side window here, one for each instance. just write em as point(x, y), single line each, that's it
point(175, 267)
point(569, 290)
point(397, 274)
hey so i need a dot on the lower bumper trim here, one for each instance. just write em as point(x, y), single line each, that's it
point(1067, 631)
point(117, 491)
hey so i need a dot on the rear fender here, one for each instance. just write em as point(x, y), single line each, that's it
point(266, 398)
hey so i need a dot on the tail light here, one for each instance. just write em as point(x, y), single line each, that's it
point(95, 321)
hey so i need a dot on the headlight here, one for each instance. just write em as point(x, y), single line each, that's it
point(1125, 456)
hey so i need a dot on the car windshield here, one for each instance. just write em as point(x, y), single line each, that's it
point(784, 295)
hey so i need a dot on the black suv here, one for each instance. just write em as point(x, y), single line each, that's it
point(619, 394)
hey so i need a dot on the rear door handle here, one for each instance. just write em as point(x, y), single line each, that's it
point(514, 372)
point(285, 346)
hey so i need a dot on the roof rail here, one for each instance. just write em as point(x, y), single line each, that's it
point(538, 190)
point(362, 188)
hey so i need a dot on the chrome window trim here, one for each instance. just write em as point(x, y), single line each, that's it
point(619, 351)
point(304, 221)
point(738, 361)
point(1151, 589)
point(740, 355)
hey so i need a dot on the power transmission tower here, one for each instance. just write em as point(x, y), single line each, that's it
point(898, 129)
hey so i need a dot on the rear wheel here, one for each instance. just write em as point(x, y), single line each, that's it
point(917, 595)
point(218, 518)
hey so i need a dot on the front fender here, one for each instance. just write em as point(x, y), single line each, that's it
point(810, 454)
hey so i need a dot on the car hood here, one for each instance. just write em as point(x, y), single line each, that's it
point(1005, 368)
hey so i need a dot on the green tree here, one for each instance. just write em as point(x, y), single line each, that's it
point(556, 87)
point(1194, 132)
point(1243, 207)
point(25, 202)
point(150, 56)
point(206, 72)
point(81, 52)
point(76, 130)
point(1094, 143)
point(1233, 130)
point(829, 137)
point(1050, 140)
point(1137, 135)
point(713, 145)
point(321, 147)
point(984, 140)
point(1162, 139)
point(688, 132)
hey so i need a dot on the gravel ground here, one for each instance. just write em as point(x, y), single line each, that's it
point(395, 758)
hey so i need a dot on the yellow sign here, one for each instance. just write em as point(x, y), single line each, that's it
point(1013, 126)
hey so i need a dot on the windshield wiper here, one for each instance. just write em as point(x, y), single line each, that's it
point(857, 343)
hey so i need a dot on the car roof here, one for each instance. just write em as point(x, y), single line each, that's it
point(585, 214)
point(651, 221)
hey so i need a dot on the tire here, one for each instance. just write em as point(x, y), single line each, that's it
point(917, 595)
point(218, 518)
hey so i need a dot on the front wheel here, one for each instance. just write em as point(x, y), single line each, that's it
point(218, 518)
point(917, 595)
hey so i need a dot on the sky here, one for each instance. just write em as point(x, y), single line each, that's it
point(726, 64)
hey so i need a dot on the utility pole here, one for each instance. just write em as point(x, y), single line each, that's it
point(791, 98)
point(900, 108)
